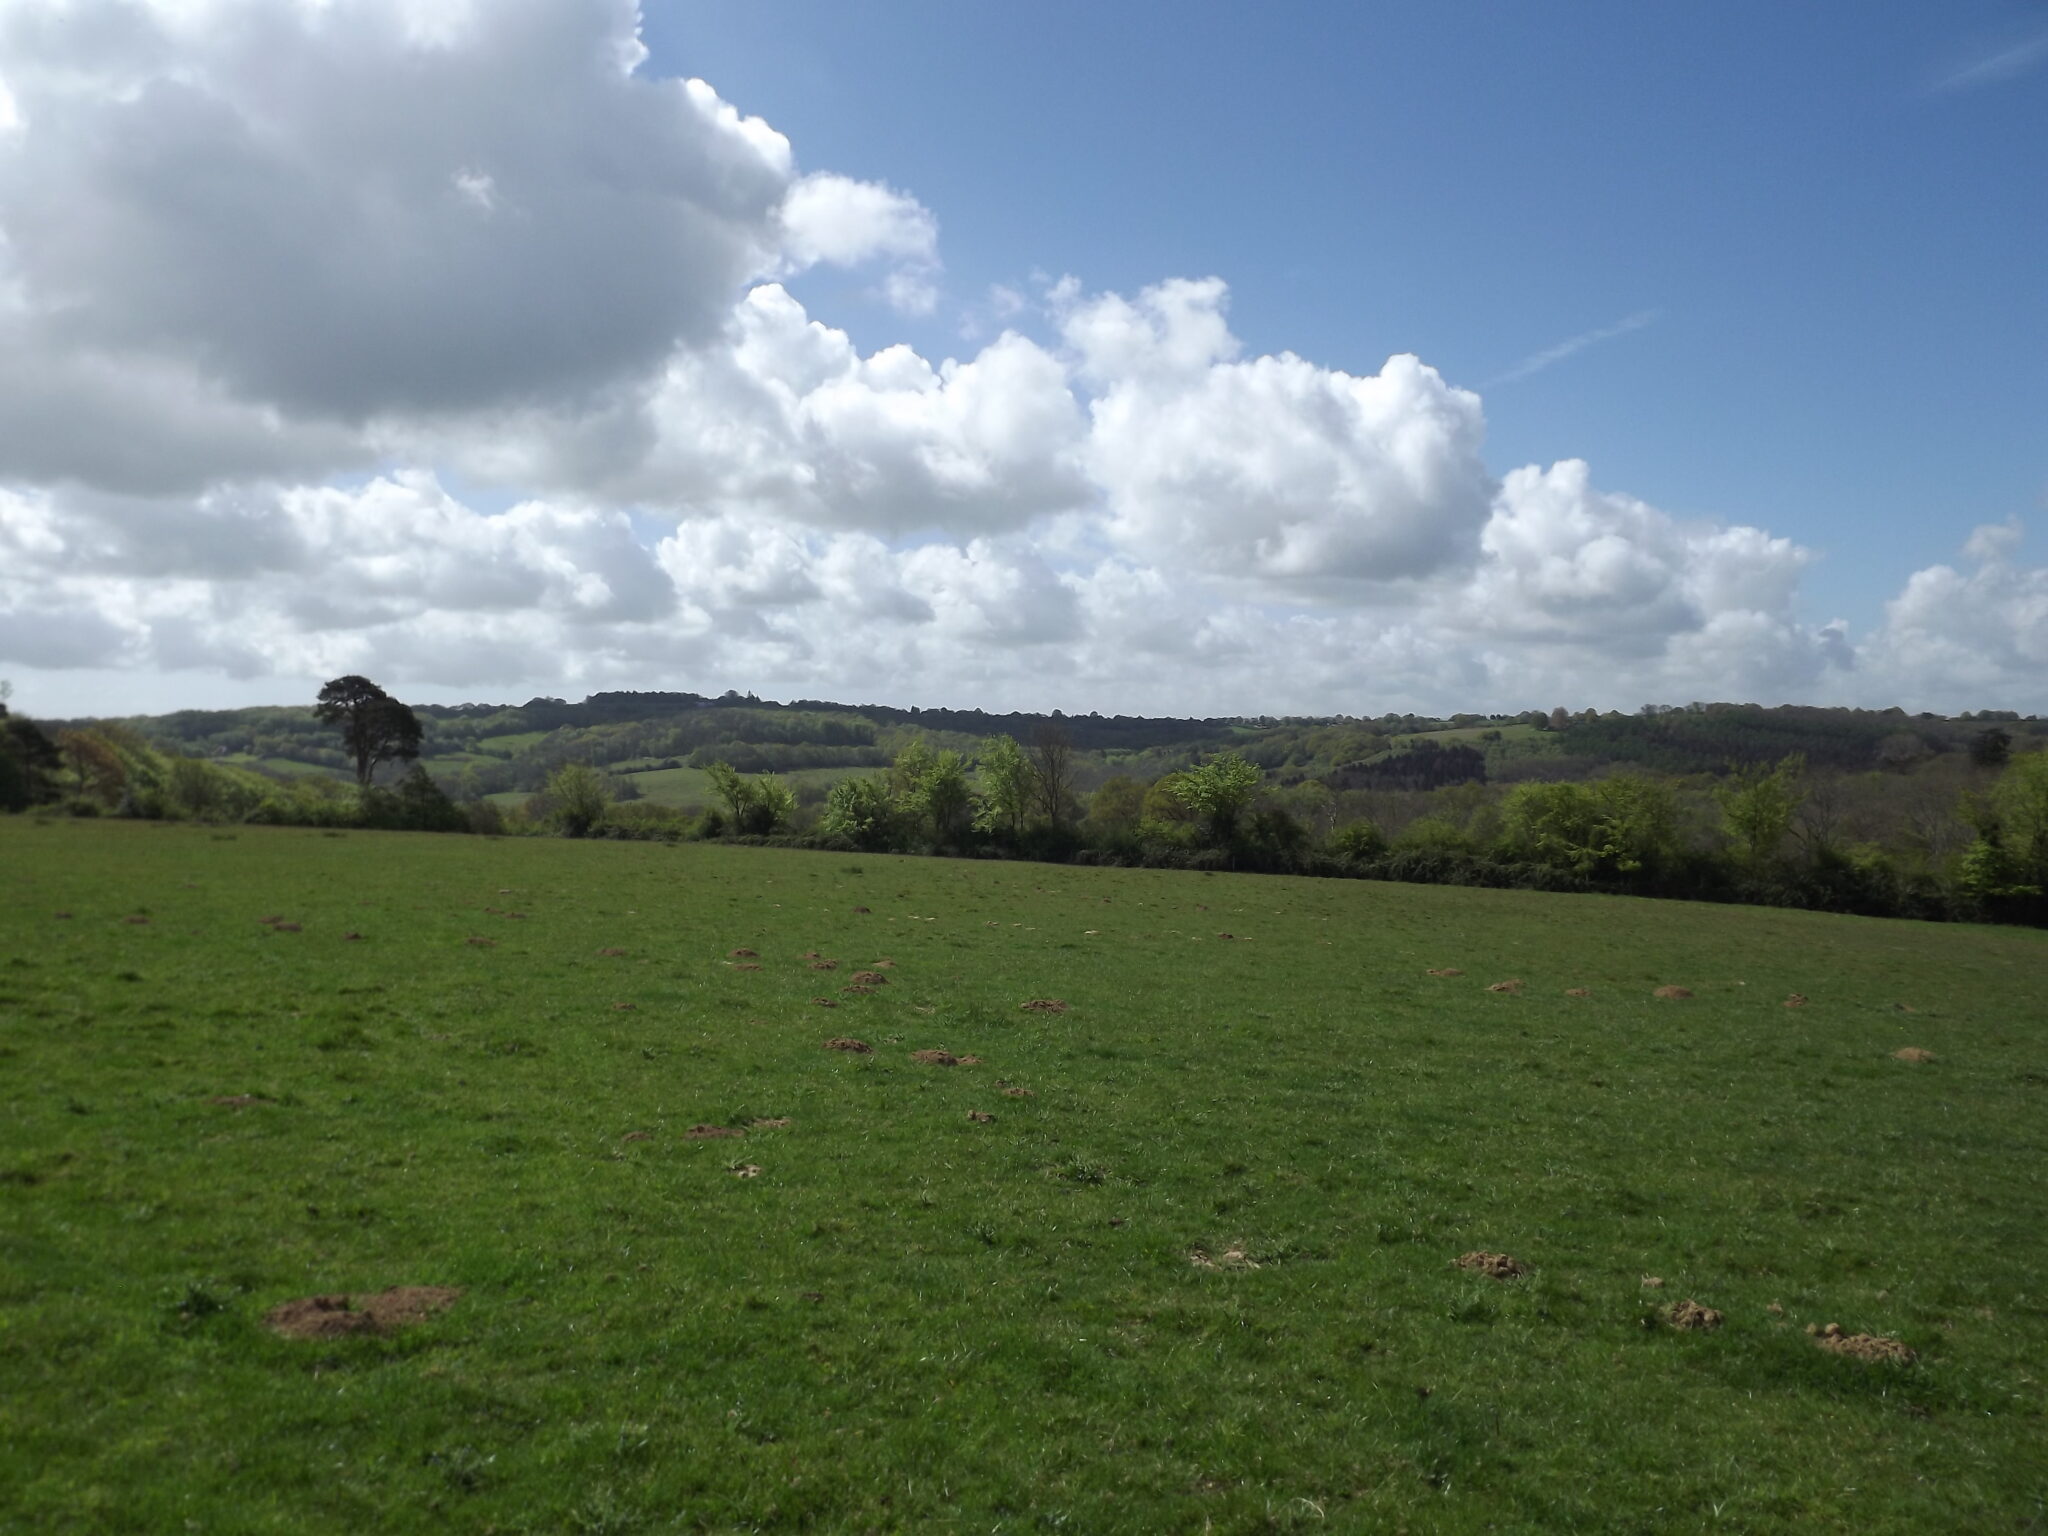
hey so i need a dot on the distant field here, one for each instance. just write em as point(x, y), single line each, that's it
point(1200, 1278)
point(689, 786)
point(511, 742)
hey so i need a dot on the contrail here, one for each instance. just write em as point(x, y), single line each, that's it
point(1536, 362)
point(2004, 65)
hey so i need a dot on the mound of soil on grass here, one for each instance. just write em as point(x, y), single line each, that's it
point(861, 911)
point(825, 1002)
point(981, 1117)
point(480, 942)
point(1578, 991)
point(1233, 1257)
point(351, 937)
point(883, 965)
point(1796, 1000)
point(624, 1007)
point(935, 1058)
point(843, 1043)
point(1653, 1282)
point(781, 1123)
point(1861, 1346)
point(745, 966)
point(380, 1312)
point(1449, 970)
point(745, 1170)
point(611, 954)
point(1513, 985)
point(1912, 1053)
point(1671, 994)
point(1226, 935)
point(1019, 1093)
point(824, 965)
point(1495, 1266)
point(870, 979)
point(1045, 1005)
point(742, 954)
point(1691, 1317)
point(711, 1133)
point(637, 1136)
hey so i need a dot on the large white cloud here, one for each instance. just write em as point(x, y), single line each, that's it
point(269, 267)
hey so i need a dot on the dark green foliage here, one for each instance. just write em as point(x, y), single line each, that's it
point(375, 728)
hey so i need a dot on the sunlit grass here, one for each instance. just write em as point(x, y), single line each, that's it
point(1202, 1275)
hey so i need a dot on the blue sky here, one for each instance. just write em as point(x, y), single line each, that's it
point(1030, 357)
point(1841, 233)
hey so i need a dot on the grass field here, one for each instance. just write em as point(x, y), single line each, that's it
point(1201, 1278)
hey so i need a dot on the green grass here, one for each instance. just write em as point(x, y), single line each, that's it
point(910, 1321)
point(690, 786)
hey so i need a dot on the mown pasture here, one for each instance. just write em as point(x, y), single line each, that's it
point(1201, 1278)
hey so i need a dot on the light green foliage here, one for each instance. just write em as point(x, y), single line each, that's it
point(1006, 787)
point(2010, 855)
point(1219, 792)
point(759, 805)
point(1758, 806)
point(861, 811)
point(1360, 840)
point(943, 799)
point(1619, 825)
point(579, 798)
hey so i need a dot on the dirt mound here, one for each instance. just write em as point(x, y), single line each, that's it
point(1449, 970)
point(742, 954)
point(351, 937)
point(1673, 993)
point(981, 1117)
point(779, 1124)
point(1226, 935)
point(1860, 1346)
point(744, 966)
point(1691, 1317)
point(1653, 1283)
point(1045, 1005)
point(825, 1002)
point(637, 1136)
point(611, 954)
point(1912, 1053)
point(1578, 991)
point(1019, 1093)
point(624, 1007)
point(936, 1058)
point(745, 1170)
point(883, 965)
point(1495, 1266)
point(711, 1133)
point(481, 942)
point(870, 979)
point(1513, 985)
point(1796, 1000)
point(380, 1312)
point(810, 954)
point(824, 965)
point(970, 1061)
point(842, 1043)
point(1233, 1257)
point(239, 1100)
point(860, 911)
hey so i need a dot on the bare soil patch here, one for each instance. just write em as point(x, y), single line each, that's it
point(1796, 1000)
point(1019, 1093)
point(745, 1170)
point(1861, 1346)
point(844, 1043)
point(1672, 994)
point(711, 1133)
point(870, 979)
point(1913, 1053)
point(935, 1058)
point(861, 911)
point(637, 1136)
point(1689, 1316)
point(610, 953)
point(824, 965)
point(1495, 1266)
point(883, 965)
point(351, 938)
point(981, 1117)
point(1226, 935)
point(624, 1007)
point(481, 942)
point(747, 967)
point(1512, 985)
point(379, 1312)
point(1447, 971)
point(781, 1123)
point(1653, 1282)
point(1578, 991)
point(1233, 1257)
point(1045, 1005)
point(742, 954)
point(826, 1002)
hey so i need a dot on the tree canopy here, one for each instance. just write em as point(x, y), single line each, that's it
point(375, 728)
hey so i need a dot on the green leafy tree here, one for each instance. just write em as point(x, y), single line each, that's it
point(1992, 748)
point(29, 762)
point(758, 805)
point(1052, 772)
point(375, 728)
point(863, 812)
point(944, 799)
point(1006, 786)
point(1624, 825)
point(1219, 792)
point(578, 799)
point(1117, 806)
point(1758, 807)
